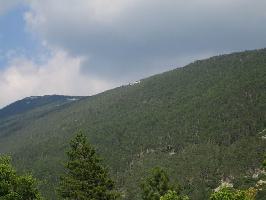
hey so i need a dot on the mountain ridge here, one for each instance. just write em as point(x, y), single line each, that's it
point(200, 122)
point(32, 102)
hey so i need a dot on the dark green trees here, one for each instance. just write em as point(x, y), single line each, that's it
point(15, 187)
point(156, 185)
point(264, 163)
point(85, 177)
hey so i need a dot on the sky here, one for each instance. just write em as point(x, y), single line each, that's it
point(83, 47)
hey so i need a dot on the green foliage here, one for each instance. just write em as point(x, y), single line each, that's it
point(156, 185)
point(264, 163)
point(172, 195)
point(261, 182)
point(201, 122)
point(227, 193)
point(15, 187)
point(85, 177)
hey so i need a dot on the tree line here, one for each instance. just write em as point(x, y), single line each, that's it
point(86, 178)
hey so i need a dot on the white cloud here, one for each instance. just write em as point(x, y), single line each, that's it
point(58, 75)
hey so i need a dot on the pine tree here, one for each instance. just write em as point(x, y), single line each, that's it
point(264, 162)
point(172, 195)
point(85, 177)
point(156, 185)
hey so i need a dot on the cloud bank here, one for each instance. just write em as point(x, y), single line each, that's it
point(134, 37)
point(107, 43)
point(60, 75)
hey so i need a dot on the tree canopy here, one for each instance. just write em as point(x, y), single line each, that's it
point(172, 195)
point(156, 185)
point(85, 177)
point(14, 186)
point(228, 193)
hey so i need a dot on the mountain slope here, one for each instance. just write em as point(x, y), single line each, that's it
point(200, 122)
point(30, 103)
point(19, 113)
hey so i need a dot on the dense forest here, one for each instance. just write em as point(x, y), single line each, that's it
point(203, 124)
point(86, 178)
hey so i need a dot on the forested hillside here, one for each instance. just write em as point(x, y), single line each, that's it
point(31, 103)
point(202, 123)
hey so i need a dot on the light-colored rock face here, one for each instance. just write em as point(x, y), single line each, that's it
point(263, 137)
point(263, 134)
point(136, 82)
point(260, 183)
point(258, 172)
point(224, 184)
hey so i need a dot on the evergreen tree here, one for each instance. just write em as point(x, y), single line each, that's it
point(172, 195)
point(85, 177)
point(264, 163)
point(156, 185)
point(15, 187)
point(261, 182)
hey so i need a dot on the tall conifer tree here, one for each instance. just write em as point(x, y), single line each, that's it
point(85, 177)
point(156, 185)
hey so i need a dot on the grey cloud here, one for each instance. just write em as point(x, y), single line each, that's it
point(6, 5)
point(138, 38)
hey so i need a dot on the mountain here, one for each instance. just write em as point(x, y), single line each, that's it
point(30, 103)
point(203, 123)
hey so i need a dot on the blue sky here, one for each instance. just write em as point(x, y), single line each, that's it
point(84, 47)
point(15, 39)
